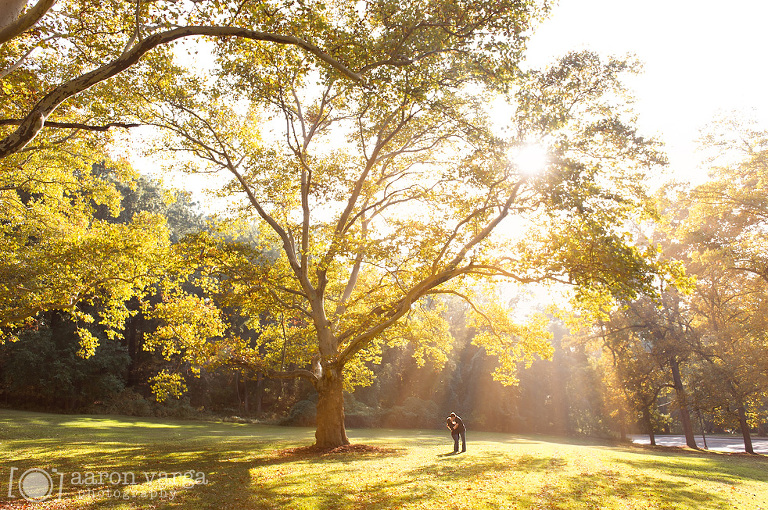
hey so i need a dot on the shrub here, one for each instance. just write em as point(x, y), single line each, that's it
point(302, 414)
point(414, 413)
point(127, 403)
point(130, 403)
point(358, 414)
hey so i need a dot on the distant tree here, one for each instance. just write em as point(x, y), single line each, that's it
point(662, 332)
point(642, 379)
point(97, 308)
point(727, 215)
point(731, 309)
point(144, 195)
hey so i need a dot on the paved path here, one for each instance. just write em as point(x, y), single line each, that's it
point(718, 443)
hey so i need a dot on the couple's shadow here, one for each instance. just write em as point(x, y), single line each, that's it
point(449, 454)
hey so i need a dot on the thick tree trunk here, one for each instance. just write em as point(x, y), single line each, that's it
point(330, 431)
point(682, 405)
point(745, 430)
point(649, 426)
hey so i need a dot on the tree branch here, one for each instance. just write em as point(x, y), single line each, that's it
point(391, 314)
point(73, 125)
point(488, 228)
point(273, 374)
point(25, 21)
point(292, 374)
point(136, 33)
point(32, 124)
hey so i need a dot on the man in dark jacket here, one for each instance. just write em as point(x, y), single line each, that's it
point(458, 429)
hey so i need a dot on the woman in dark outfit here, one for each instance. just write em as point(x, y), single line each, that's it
point(456, 426)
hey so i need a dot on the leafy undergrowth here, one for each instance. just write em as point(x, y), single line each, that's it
point(156, 464)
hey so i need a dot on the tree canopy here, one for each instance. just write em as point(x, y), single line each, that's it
point(370, 201)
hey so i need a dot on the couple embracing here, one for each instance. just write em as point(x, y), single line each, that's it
point(456, 426)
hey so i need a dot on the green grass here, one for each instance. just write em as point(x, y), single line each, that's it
point(248, 466)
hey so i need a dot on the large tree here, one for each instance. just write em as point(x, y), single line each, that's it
point(371, 201)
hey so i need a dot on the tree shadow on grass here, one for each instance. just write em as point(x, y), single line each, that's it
point(582, 490)
point(275, 480)
point(592, 490)
point(718, 467)
point(313, 451)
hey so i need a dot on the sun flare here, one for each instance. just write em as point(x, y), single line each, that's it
point(530, 159)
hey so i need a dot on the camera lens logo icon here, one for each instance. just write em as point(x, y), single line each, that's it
point(35, 485)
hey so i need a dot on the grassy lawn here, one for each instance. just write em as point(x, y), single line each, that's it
point(121, 462)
